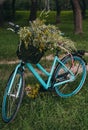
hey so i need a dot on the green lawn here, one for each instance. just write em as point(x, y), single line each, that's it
point(47, 111)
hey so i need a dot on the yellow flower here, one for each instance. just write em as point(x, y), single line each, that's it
point(32, 92)
point(41, 48)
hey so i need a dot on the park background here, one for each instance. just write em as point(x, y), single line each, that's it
point(46, 111)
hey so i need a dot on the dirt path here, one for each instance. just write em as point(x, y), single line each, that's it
point(50, 57)
point(8, 62)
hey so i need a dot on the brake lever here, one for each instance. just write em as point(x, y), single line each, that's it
point(11, 29)
point(14, 28)
point(12, 24)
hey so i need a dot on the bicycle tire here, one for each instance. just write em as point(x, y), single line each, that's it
point(8, 114)
point(79, 69)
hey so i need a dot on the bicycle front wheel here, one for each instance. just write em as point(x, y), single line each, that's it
point(78, 68)
point(12, 99)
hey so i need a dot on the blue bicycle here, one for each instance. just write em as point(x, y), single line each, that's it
point(66, 76)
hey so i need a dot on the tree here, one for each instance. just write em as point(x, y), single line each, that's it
point(47, 5)
point(77, 16)
point(58, 10)
point(1, 12)
point(33, 11)
point(83, 7)
point(13, 8)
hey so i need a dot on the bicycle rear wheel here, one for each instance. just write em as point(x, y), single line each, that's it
point(78, 68)
point(13, 99)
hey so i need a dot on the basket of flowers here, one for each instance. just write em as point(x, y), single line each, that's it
point(38, 37)
point(30, 54)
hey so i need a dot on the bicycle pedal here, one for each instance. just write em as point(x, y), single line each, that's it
point(60, 79)
point(12, 95)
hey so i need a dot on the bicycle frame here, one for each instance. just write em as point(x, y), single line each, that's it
point(48, 74)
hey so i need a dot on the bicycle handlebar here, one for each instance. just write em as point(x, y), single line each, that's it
point(12, 24)
point(14, 27)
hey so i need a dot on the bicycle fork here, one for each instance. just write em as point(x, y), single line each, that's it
point(15, 95)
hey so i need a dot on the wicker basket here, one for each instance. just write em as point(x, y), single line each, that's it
point(32, 54)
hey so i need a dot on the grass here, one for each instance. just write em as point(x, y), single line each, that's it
point(47, 111)
point(8, 45)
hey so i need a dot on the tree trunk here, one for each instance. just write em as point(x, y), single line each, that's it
point(83, 8)
point(13, 9)
point(47, 6)
point(1, 15)
point(77, 16)
point(58, 10)
point(33, 11)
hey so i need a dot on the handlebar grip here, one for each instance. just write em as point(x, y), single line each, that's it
point(12, 24)
point(15, 27)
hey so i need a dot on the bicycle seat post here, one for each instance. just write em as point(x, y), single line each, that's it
point(57, 52)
